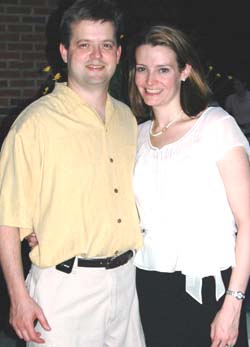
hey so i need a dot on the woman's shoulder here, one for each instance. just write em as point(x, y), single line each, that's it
point(144, 127)
point(215, 113)
point(212, 116)
point(143, 131)
point(219, 125)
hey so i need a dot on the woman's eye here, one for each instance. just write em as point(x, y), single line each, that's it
point(164, 70)
point(139, 69)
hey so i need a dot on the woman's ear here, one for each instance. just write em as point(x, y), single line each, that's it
point(186, 72)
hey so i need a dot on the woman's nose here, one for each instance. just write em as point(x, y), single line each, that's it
point(150, 78)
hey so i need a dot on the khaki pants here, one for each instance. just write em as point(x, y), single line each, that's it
point(90, 307)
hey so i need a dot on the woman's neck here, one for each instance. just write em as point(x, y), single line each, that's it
point(163, 116)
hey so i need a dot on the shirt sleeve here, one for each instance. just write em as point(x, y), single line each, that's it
point(226, 135)
point(19, 178)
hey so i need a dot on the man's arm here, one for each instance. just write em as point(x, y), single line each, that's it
point(24, 311)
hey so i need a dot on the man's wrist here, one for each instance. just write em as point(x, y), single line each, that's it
point(18, 293)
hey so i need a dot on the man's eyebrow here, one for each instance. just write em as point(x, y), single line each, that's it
point(88, 40)
point(85, 40)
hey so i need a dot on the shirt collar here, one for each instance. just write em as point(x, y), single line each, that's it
point(72, 101)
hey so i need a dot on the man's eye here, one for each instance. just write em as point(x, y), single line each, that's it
point(108, 45)
point(84, 45)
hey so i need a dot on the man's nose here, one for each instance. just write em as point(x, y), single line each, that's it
point(96, 51)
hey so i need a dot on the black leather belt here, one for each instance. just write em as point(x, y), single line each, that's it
point(108, 263)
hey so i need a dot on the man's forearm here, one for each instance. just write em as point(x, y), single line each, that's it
point(11, 262)
point(24, 310)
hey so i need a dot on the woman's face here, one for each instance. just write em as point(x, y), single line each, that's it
point(157, 75)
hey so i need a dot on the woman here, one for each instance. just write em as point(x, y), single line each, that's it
point(192, 187)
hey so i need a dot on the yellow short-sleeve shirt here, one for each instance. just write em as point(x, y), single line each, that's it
point(68, 176)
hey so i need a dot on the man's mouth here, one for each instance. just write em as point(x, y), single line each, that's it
point(95, 66)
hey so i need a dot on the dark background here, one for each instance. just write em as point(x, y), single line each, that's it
point(220, 31)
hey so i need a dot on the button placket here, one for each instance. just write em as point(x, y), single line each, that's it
point(115, 189)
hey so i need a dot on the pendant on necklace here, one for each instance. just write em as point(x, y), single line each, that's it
point(159, 132)
point(165, 127)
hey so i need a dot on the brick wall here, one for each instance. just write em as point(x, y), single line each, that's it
point(23, 25)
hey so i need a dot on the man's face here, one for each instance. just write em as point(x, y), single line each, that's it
point(239, 87)
point(92, 55)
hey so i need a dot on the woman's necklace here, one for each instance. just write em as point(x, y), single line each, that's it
point(165, 127)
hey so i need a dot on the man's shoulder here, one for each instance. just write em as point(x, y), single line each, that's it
point(120, 105)
point(230, 97)
point(33, 112)
point(42, 110)
point(123, 111)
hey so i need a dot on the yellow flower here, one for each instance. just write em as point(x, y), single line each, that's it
point(47, 68)
point(57, 76)
point(46, 89)
point(218, 75)
point(210, 68)
point(230, 77)
point(121, 36)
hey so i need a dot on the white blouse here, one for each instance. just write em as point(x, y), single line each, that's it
point(186, 219)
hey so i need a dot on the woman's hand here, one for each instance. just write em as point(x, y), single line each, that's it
point(224, 329)
point(32, 240)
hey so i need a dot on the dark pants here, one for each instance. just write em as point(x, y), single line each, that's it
point(172, 318)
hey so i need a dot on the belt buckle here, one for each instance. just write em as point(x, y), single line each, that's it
point(110, 264)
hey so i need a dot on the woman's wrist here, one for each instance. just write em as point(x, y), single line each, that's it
point(237, 294)
point(232, 304)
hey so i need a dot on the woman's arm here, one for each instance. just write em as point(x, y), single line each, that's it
point(235, 172)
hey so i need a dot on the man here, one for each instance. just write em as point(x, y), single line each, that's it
point(65, 172)
point(238, 104)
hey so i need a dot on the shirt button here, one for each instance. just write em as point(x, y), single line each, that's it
point(119, 220)
point(111, 160)
point(116, 190)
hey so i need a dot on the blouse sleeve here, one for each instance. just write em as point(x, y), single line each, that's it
point(225, 135)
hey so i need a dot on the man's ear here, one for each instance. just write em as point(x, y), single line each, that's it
point(63, 52)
